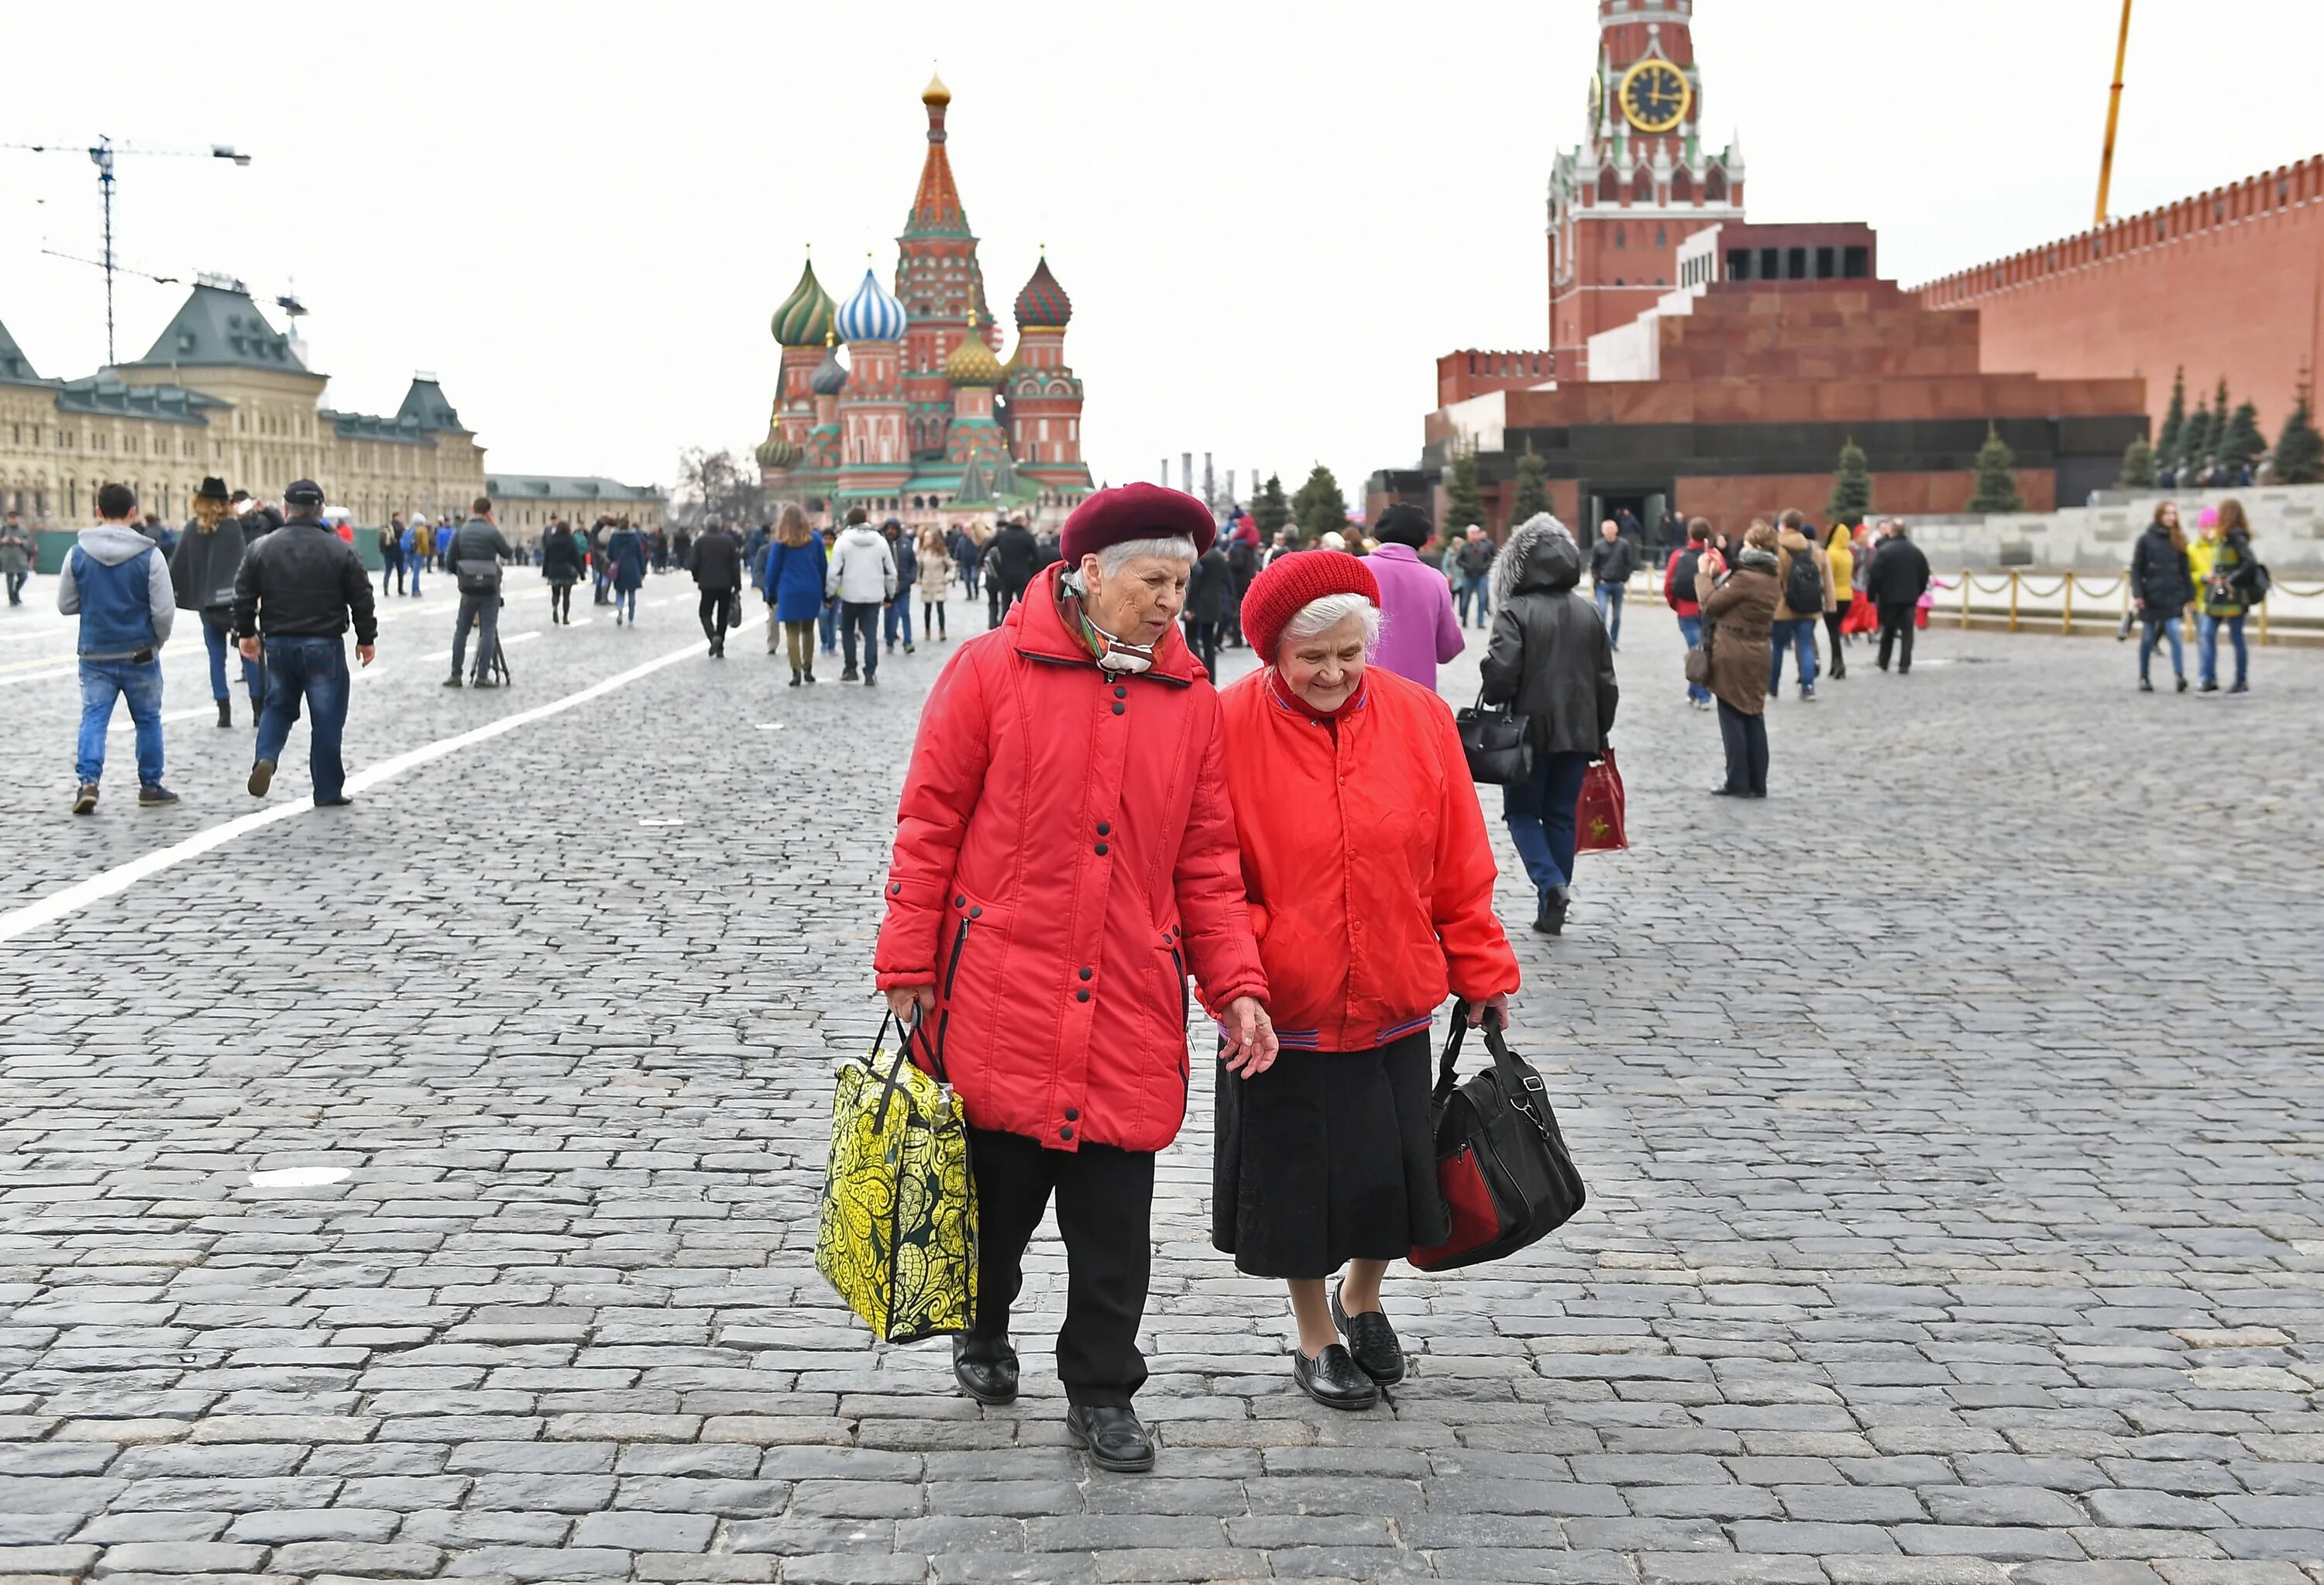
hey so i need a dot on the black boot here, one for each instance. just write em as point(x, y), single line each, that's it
point(225, 712)
point(1551, 919)
point(986, 1371)
point(1112, 1438)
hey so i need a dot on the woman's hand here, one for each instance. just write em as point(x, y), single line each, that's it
point(1497, 1004)
point(903, 999)
point(1251, 1045)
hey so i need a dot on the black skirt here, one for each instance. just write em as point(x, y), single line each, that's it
point(1325, 1158)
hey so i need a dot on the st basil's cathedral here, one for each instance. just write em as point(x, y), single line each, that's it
point(924, 421)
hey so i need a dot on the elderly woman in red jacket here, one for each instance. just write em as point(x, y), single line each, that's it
point(1064, 858)
point(1370, 884)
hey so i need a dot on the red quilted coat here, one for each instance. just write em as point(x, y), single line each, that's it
point(1065, 857)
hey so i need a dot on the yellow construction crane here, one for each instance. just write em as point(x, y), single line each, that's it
point(2114, 112)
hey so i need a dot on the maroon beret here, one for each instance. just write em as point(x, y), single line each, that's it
point(1292, 583)
point(1135, 512)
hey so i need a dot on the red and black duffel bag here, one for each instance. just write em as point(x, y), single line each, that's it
point(1502, 1163)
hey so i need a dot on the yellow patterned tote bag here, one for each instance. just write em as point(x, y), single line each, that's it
point(897, 1237)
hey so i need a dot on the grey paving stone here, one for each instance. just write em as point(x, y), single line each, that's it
point(642, 1531)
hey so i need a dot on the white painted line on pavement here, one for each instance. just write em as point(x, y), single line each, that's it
point(40, 913)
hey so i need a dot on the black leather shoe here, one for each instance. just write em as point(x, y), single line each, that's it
point(1551, 919)
point(1371, 1342)
point(1332, 1380)
point(1112, 1438)
point(988, 1375)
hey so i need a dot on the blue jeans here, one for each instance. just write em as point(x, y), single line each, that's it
point(1483, 589)
point(899, 614)
point(1540, 815)
point(1610, 611)
point(860, 620)
point(827, 627)
point(413, 564)
point(218, 642)
point(315, 669)
point(1689, 627)
point(968, 578)
point(2156, 627)
point(1796, 632)
point(100, 682)
point(2207, 645)
point(625, 603)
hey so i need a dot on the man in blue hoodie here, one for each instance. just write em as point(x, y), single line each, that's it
point(118, 583)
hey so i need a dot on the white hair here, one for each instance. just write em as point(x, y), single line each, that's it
point(1321, 616)
point(1114, 558)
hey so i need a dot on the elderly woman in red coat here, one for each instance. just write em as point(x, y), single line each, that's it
point(1370, 884)
point(1064, 858)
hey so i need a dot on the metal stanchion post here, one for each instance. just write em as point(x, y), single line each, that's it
point(2066, 608)
point(2013, 602)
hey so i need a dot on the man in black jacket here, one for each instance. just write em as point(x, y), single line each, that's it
point(715, 561)
point(1015, 557)
point(299, 586)
point(1898, 578)
point(476, 552)
point(1613, 561)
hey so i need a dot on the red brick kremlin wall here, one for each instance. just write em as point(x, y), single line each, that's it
point(2228, 283)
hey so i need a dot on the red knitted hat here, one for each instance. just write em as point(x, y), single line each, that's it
point(1135, 512)
point(1290, 584)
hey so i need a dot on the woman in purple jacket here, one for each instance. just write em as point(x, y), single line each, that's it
point(1418, 632)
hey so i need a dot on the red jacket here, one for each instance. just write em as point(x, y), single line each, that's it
point(1065, 857)
point(1365, 861)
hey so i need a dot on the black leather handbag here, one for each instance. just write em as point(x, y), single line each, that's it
point(1499, 745)
point(1502, 1163)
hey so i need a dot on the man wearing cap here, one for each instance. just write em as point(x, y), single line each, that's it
point(299, 587)
point(1065, 857)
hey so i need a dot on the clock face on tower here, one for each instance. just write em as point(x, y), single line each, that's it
point(1654, 95)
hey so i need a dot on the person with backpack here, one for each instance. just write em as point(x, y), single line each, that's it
point(391, 555)
point(118, 582)
point(476, 553)
point(2162, 587)
point(1473, 564)
point(2235, 582)
point(1805, 577)
point(898, 616)
point(415, 551)
point(1678, 594)
point(1898, 578)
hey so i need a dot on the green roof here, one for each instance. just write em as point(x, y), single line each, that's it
point(107, 394)
point(567, 487)
point(16, 368)
point(219, 326)
point(427, 403)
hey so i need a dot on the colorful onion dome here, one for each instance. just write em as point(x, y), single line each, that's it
point(972, 361)
point(830, 374)
point(805, 314)
point(871, 315)
point(775, 453)
point(1043, 303)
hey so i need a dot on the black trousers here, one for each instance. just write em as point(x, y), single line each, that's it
point(1202, 639)
point(1746, 737)
point(1105, 1204)
point(1896, 620)
point(711, 608)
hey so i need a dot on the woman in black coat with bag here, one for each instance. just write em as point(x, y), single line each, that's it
point(2162, 587)
point(561, 565)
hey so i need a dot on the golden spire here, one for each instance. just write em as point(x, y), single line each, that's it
point(935, 93)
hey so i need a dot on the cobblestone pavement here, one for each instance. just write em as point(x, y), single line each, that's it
point(1953, 1121)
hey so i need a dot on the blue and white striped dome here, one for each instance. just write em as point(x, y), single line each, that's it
point(871, 315)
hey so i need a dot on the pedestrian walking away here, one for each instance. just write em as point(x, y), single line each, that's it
point(116, 581)
point(1803, 578)
point(933, 583)
point(898, 614)
point(298, 591)
point(201, 578)
point(2230, 588)
point(16, 551)
point(1049, 894)
point(1738, 615)
point(1551, 659)
point(1613, 561)
point(1206, 606)
point(968, 556)
point(2162, 587)
point(715, 561)
point(1472, 564)
point(391, 555)
point(1678, 594)
point(415, 552)
point(1418, 628)
point(1012, 560)
point(862, 577)
point(1840, 559)
point(476, 553)
point(625, 572)
point(1898, 578)
point(1369, 880)
point(561, 568)
point(791, 581)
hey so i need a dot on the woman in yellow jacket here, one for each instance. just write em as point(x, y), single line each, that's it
point(1840, 550)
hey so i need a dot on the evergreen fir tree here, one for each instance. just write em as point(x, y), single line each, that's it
point(2174, 419)
point(2300, 449)
point(1851, 487)
point(2194, 442)
point(1532, 491)
point(1270, 510)
point(1996, 482)
point(1461, 504)
point(2137, 467)
point(1319, 507)
point(2241, 445)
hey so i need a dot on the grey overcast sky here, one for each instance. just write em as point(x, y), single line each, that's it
point(1271, 216)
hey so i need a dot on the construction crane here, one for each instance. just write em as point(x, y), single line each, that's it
point(101, 155)
point(2114, 112)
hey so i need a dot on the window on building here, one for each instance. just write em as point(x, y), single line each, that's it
point(1856, 264)
point(1796, 260)
point(1826, 264)
point(1771, 263)
point(1622, 237)
point(1738, 264)
point(1661, 236)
